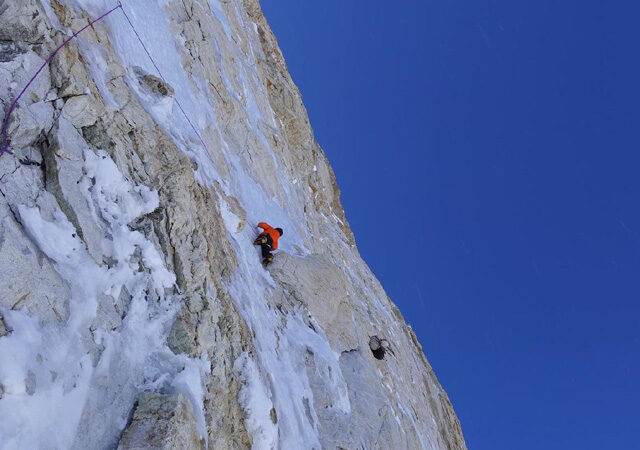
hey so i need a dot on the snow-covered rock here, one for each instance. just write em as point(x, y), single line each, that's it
point(138, 312)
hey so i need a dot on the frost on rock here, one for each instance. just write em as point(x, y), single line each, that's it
point(163, 422)
point(134, 311)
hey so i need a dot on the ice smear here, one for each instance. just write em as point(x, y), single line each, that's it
point(98, 69)
point(265, 209)
point(256, 402)
point(163, 46)
point(282, 345)
point(302, 337)
point(218, 12)
point(46, 4)
point(416, 428)
point(189, 383)
point(150, 21)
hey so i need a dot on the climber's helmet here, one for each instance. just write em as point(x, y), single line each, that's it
point(280, 231)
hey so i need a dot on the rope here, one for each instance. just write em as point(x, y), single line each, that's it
point(5, 123)
point(162, 76)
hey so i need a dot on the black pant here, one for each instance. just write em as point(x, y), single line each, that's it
point(266, 248)
point(379, 353)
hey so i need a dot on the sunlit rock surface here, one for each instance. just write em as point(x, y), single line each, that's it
point(134, 311)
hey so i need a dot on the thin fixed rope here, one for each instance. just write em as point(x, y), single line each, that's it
point(162, 76)
point(5, 123)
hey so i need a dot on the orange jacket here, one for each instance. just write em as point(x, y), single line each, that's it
point(268, 229)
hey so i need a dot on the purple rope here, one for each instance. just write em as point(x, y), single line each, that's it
point(5, 123)
point(162, 76)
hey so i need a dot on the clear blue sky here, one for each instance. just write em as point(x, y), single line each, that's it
point(488, 155)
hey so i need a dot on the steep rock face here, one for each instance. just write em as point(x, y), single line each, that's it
point(130, 274)
point(161, 422)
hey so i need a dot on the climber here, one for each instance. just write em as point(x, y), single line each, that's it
point(379, 347)
point(268, 241)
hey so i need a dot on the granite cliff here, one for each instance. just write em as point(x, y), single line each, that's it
point(134, 311)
